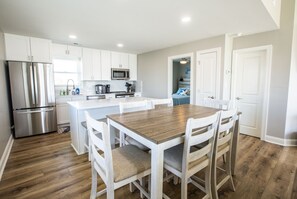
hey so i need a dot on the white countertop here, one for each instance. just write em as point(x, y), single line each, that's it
point(101, 103)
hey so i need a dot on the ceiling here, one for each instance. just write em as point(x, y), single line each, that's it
point(141, 25)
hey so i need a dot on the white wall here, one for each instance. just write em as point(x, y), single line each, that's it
point(4, 110)
point(153, 66)
point(273, 7)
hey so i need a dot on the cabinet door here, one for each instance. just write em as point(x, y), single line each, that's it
point(87, 62)
point(41, 50)
point(96, 64)
point(17, 48)
point(59, 50)
point(133, 66)
point(115, 59)
point(124, 60)
point(75, 51)
point(105, 65)
point(62, 114)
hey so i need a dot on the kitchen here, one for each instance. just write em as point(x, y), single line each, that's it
point(90, 44)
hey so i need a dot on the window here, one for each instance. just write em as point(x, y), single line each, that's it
point(65, 69)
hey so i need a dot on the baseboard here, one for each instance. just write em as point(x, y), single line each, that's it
point(281, 141)
point(5, 155)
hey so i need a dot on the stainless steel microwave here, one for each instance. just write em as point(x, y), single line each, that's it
point(120, 74)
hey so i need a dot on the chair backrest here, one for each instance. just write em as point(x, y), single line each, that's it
point(102, 164)
point(162, 102)
point(126, 107)
point(215, 103)
point(226, 126)
point(198, 131)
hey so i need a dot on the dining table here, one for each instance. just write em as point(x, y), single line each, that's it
point(160, 129)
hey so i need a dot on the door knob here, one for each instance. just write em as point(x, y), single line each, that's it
point(211, 97)
point(238, 98)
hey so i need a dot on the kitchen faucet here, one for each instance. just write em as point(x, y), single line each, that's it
point(67, 90)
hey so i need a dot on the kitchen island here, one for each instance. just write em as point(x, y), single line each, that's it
point(98, 109)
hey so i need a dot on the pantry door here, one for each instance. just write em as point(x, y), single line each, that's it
point(249, 88)
point(208, 75)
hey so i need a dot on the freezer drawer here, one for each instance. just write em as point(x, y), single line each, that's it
point(34, 121)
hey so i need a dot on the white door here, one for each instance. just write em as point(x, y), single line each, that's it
point(105, 65)
point(208, 75)
point(17, 48)
point(133, 66)
point(96, 64)
point(87, 62)
point(249, 89)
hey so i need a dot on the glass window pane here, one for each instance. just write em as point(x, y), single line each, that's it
point(61, 78)
point(64, 65)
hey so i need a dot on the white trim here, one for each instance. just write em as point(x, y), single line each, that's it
point(266, 95)
point(218, 50)
point(5, 155)
point(170, 74)
point(281, 141)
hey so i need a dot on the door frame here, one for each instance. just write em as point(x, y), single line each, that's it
point(265, 104)
point(170, 74)
point(218, 50)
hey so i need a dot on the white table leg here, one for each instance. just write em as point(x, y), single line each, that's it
point(157, 172)
point(112, 134)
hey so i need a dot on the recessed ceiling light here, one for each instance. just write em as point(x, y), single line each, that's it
point(186, 19)
point(120, 45)
point(72, 36)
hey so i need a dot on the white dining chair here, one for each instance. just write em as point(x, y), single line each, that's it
point(216, 103)
point(223, 145)
point(184, 160)
point(159, 103)
point(126, 107)
point(117, 167)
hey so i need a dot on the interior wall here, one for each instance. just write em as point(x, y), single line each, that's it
point(291, 121)
point(153, 66)
point(281, 41)
point(4, 110)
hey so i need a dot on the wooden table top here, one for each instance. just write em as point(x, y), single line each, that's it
point(160, 125)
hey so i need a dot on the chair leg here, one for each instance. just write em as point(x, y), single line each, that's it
point(228, 169)
point(122, 139)
point(142, 183)
point(94, 184)
point(208, 181)
point(131, 187)
point(184, 188)
point(213, 180)
point(109, 192)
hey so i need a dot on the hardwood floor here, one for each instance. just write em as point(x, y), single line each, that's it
point(47, 167)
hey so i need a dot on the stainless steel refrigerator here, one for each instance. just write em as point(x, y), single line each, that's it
point(32, 98)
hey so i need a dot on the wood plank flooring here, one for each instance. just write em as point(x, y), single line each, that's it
point(47, 167)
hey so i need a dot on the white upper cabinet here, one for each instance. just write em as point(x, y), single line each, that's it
point(119, 60)
point(133, 66)
point(91, 61)
point(21, 48)
point(106, 65)
point(66, 51)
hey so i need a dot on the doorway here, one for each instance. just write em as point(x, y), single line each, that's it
point(250, 88)
point(180, 78)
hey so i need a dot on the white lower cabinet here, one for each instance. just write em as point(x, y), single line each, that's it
point(62, 114)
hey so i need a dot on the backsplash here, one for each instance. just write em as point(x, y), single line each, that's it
point(88, 87)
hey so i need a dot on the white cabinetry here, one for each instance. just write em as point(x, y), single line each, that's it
point(62, 114)
point(133, 66)
point(91, 64)
point(21, 48)
point(105, 65)
point(119, 60)
point(66, 51)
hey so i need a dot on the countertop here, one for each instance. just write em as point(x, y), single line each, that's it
point(101, 103)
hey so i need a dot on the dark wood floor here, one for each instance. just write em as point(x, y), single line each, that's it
point(47, 167)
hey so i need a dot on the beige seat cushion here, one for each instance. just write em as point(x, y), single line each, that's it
point(129, 161)
point(174, 157)
point(136, 143)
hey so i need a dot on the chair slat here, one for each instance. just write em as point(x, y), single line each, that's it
point(193, 156)
point(197, 139)
point(224, 139)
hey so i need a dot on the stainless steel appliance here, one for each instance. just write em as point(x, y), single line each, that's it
point(32, 98)
point(95, 97)
point(124, 95)
point(120, 74)
point(100, 89)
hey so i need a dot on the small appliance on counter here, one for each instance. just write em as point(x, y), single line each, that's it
point(102, 89)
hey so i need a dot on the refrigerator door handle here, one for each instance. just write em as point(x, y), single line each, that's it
point(35, 84)
point(32, 86)
point(35, 111)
